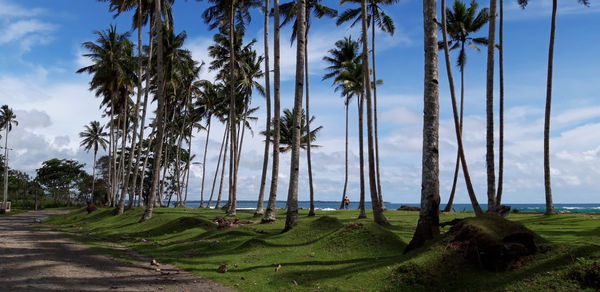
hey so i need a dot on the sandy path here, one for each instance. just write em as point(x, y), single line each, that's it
point(38, 259)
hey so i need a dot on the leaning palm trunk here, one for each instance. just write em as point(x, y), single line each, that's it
point(292, 200)
point(501, 107)
point(361, 151)
point(457, 125)
point(377, 205)
point(428, 224)
point(94, 175)
point(346, 160)
point(204, 161)
point(448, 207)
point(311, 211)
point(112, 166)
point(218, 165)
point(263, 179)
point(379, 190)
point(489, 157)
point(270, 212)
point(121, 207)
point(218, 204)
point(547, 183)
point(159, 116)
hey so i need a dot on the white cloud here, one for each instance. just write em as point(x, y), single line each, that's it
point(27, 33)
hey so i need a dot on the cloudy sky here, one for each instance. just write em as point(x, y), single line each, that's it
point(40, 50)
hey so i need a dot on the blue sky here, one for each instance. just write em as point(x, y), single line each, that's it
point(40, 49)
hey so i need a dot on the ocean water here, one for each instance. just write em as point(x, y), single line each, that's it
point(331, 205)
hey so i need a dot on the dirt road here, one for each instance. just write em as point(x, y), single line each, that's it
point(38, 259)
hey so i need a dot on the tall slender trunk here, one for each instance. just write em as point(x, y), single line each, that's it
point(94, 175)
point(227, 142)
point(204, 161)
point(112, 154)
point(124, 176)
point(159, 115)
point(125, 188)
point(428, 224)
point(263, 179)
point(361, 205)
point(143, 169)
point(501, 107)
point(144, 111)
point(232, 115)
point(489, 100)
point(270, 212)
point(187, 169)
point(547, 182)
point(311, 211)
point(5, 193)
point(457, 124)
point(377, 205)
point(448, 207)
point(292, 200)
point(345, 160)
point(218, 165)
point(378, 169)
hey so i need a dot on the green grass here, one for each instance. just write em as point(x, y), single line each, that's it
point(336, 252)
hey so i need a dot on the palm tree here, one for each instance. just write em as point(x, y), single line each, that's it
point(286, 126)
point(159, 120)
point(376, 18)
point(346, 51)
point(489, 108)
point(351, 83)
point(377, 204)
point(457, 124)
point(461, 23)
point(93, 138)
point(290, 13)
point(270, 212)
point(226, 14)
point(428, 224)
point(501, 105)
point(292, 200)
point(113, 79)
point(8, 120)
point(263, 179)
point(547, 183)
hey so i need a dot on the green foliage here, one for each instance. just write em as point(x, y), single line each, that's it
point(62, 179)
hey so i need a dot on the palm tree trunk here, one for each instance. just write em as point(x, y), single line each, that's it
point(232, 115)
point(361, 205)
point(5, 191)
point(263, 179)
point(292, 200)
point(489, 157)
point(377, 205)
point(144, 111)
point(448, 207)
point(204, 161)
point(187, 169)
point(311, 211)
point(225, 133)
point(125, 188)
point(547, 182)
point(271, 206)
point(159, 116)
point(501, 108)
point(428, 224)
point(121, 207)
point(143, 169)
point(223, 170)
point(457, 124)
point(380, 191)
point(112, 155)
point(94, 174)
point(346, 161)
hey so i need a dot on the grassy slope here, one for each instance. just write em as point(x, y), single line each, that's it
point(334, 252)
